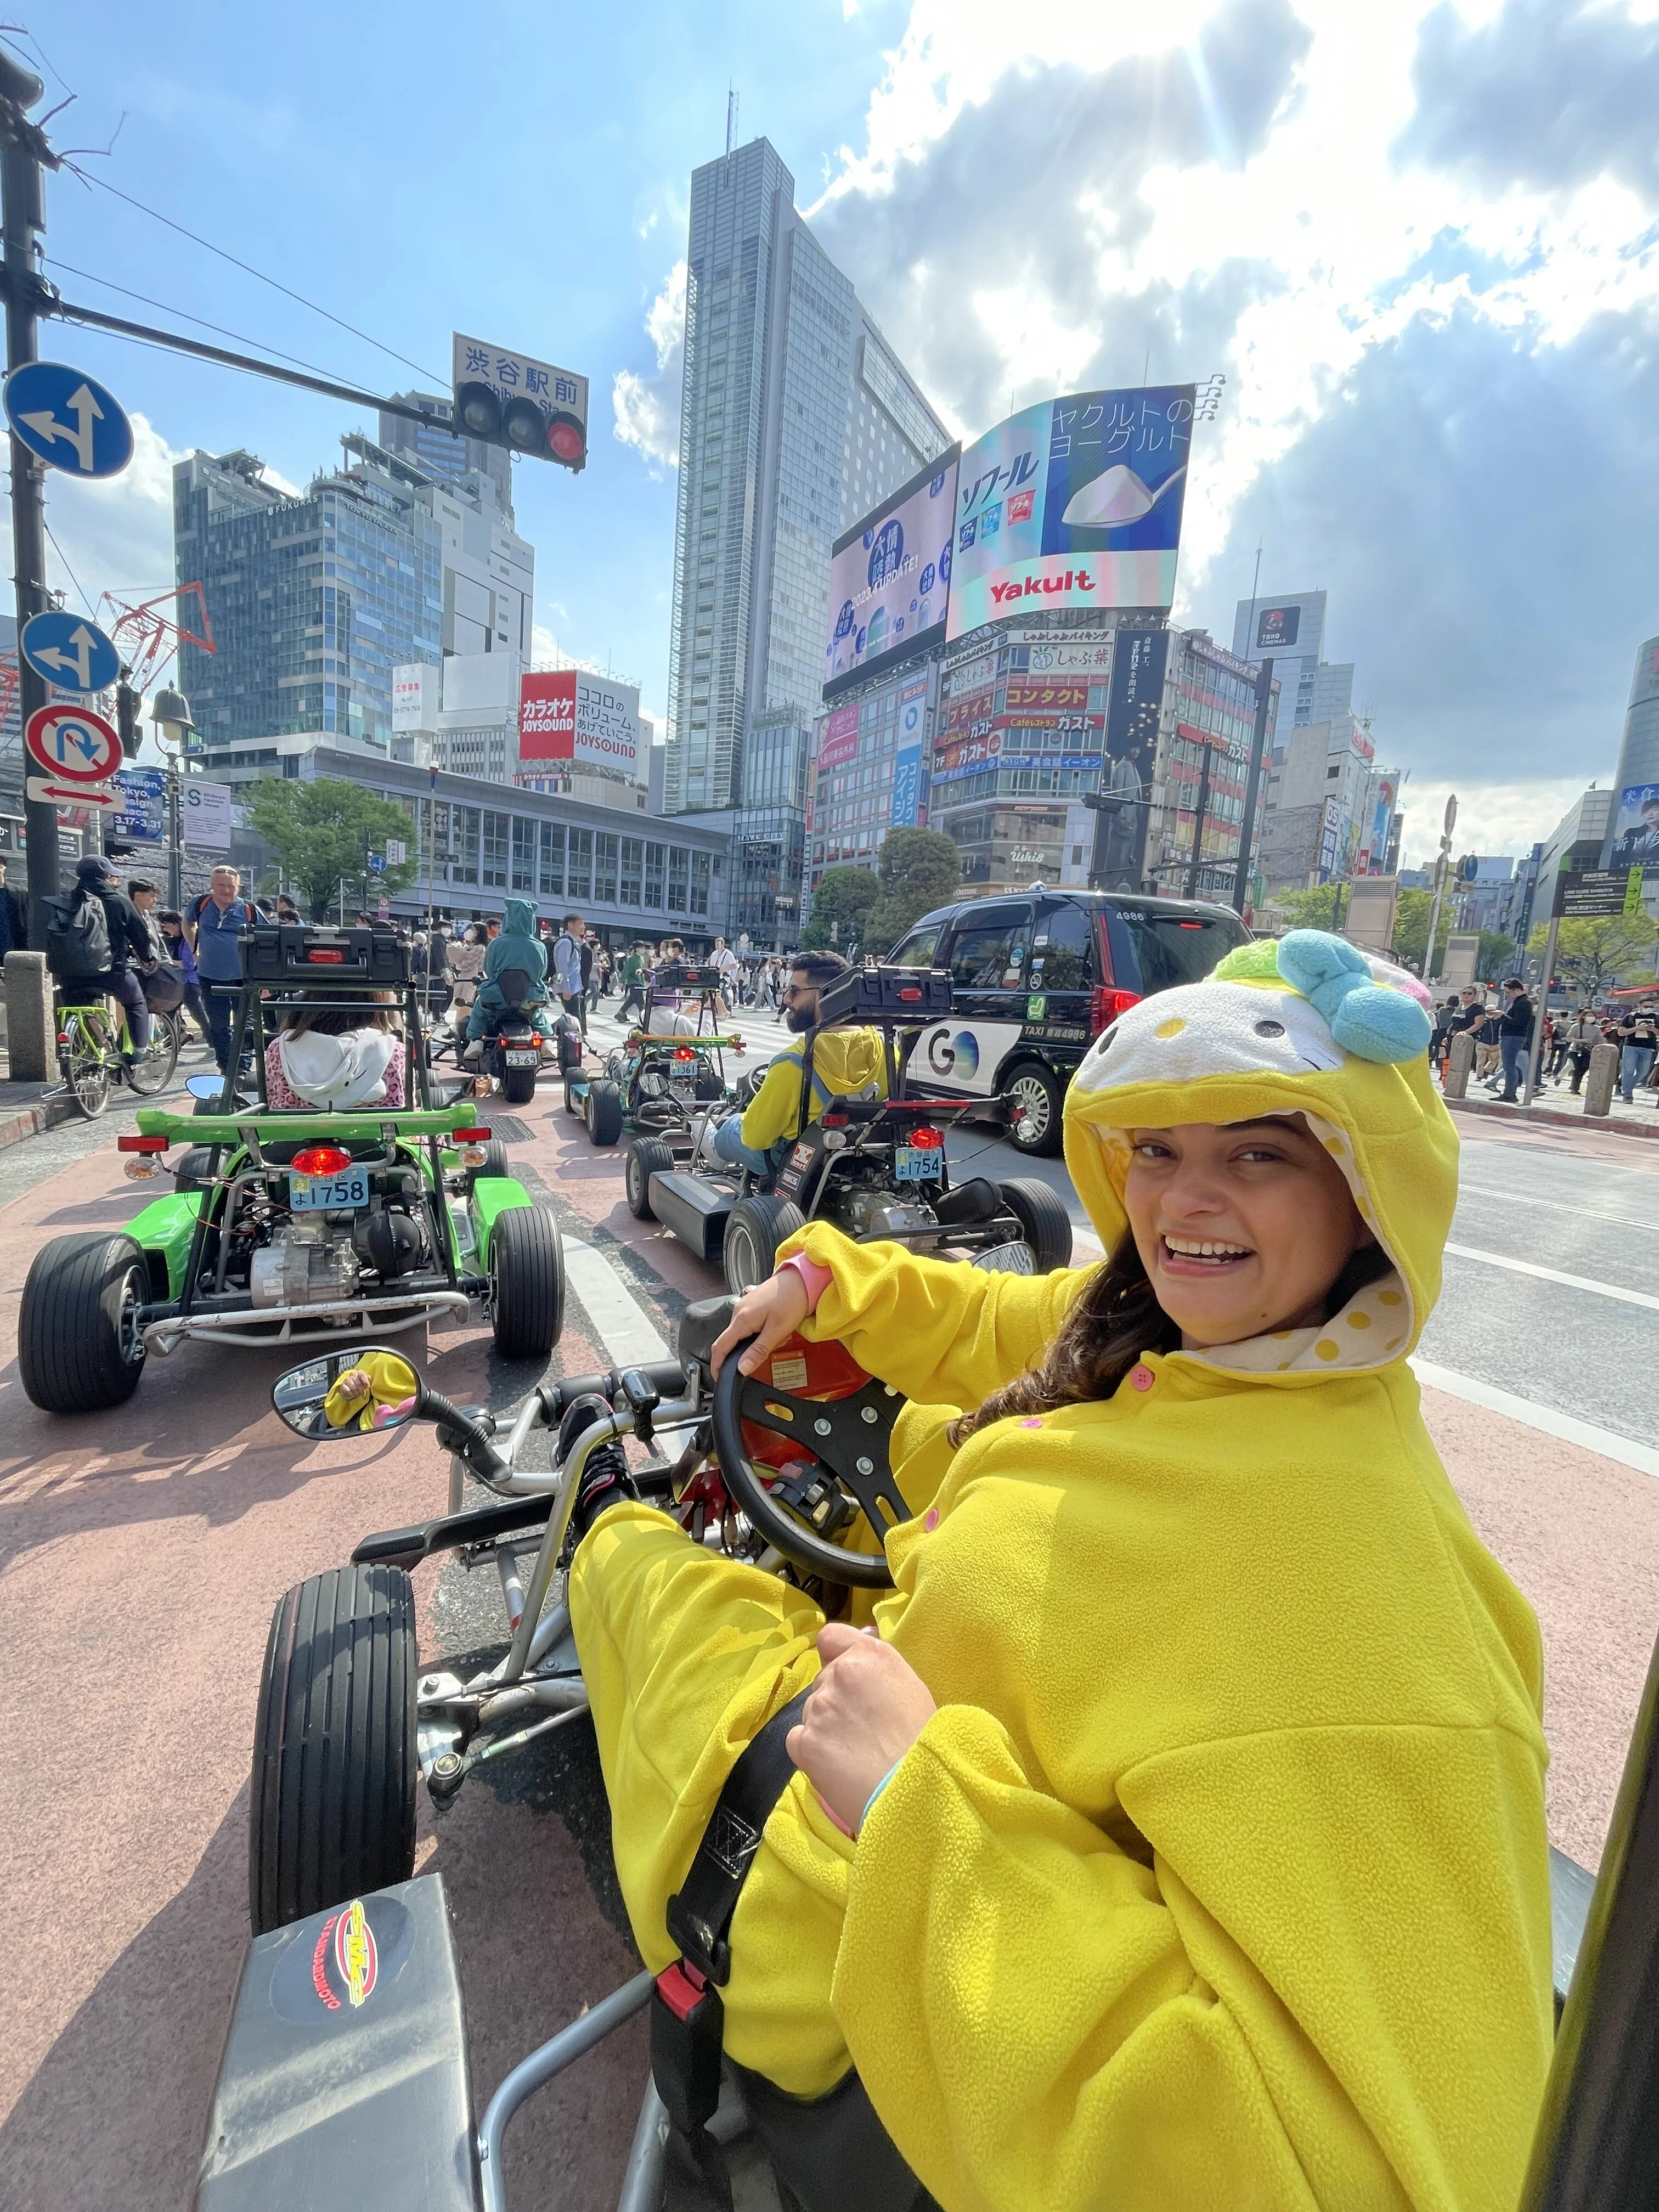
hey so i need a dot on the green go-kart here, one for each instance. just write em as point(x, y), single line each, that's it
point(297, 1226)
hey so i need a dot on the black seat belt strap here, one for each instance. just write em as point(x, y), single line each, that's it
point(688, 2018)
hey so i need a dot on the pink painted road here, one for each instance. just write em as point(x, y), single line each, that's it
point(143, 1553)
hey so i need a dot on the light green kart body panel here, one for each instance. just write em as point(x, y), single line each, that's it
point(165, 1227)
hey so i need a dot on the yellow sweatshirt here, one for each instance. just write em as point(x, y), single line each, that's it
point(1219, 1877)
point(844, 1061)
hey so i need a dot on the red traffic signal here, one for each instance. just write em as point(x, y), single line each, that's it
point(567, 440)
point(522, 424)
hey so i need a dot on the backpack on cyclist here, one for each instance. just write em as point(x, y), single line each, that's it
point(77, 937)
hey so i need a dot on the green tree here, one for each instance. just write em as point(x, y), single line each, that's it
point(842, 900)
point(919, 869)
point(1496, 958)
point(1310, 909)
point(1410, 940)
point(1589, 954)
point(321, 832)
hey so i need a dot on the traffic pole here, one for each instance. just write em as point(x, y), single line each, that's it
point(1442, 868)
point(24, 153)
point(1264, 692)
point(1530, 1083)
point(1198, 824)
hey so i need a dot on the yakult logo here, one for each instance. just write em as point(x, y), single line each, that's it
point(1032, 587)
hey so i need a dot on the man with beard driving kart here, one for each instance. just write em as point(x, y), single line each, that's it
point(846, 1063)
point(1176, 1840)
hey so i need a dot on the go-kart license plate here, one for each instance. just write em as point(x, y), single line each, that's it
point(910, 1165)
point(329, 1193)
point(523, 1059)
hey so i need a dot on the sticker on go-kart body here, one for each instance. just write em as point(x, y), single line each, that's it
point(801, 1156)
point(789, 1371)
point(334, 1968)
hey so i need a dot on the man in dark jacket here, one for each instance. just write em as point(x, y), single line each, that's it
point(129, 946)
point(1514, 1036)
point(14, 918)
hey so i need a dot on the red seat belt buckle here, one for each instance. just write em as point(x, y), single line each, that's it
point(682, 1989)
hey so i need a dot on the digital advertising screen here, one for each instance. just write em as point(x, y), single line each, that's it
point(890, 578)
point(1075, 502)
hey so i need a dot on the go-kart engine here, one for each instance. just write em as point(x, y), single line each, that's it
point(309, 1263)
point(873, 1212)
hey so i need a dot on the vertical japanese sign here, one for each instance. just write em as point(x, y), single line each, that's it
point(1140, 660)
point(547, 715)
point(907, 787)
point(839, 742)
point(1076, 502)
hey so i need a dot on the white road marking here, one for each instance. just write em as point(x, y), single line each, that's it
point(1555, 1275)
point(621, 1324)
point(1565, 1427)
point(1556, 1205)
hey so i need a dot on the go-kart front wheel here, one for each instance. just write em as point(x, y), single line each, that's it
point(1041, 1215)
point(755, 1228)
point(527, 1278)
point(647, 1155)
point(331, 1815)
point(79, 1349)
point(603, 1113)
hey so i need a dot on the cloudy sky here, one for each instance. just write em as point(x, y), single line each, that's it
point(1420, 242)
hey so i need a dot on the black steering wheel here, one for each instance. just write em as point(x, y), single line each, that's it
point(846, 1443)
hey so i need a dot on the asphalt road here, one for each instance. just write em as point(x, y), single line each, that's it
point(141, 1554)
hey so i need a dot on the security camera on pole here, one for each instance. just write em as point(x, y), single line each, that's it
point(1442, 869)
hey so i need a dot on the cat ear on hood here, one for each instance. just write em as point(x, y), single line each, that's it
point(1366, 1018)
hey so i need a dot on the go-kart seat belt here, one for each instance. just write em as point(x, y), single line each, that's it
point(687, 2015)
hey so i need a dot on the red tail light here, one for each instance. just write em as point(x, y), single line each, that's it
point(837, 1120)
point(909, 994)
point(1106, 1005)
point(325, 956)
point(470, 1135)
point(683, 1052)
point(141, 1144)
point(926, 1139)
point(322, 1160)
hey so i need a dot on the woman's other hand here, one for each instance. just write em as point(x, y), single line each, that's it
point(866, 1710)
point(770, 1312)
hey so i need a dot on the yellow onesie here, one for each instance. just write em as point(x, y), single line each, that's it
point(1219, 1877)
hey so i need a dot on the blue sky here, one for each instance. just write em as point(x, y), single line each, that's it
point(1422, 243)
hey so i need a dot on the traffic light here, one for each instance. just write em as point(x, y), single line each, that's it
point(524, 405)
point(126, 716)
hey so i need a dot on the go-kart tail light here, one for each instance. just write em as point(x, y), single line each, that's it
point(837, 1120)
point(1106, 1005)
point(909, 995)
point(325, 956)
point(926, 1139)
point(141, 1144)
point(473, 1134)
point(321, 1160)
point(683, 1052)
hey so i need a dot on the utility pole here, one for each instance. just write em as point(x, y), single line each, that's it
point(1264, 697)
point(1198, 824)
point(1442, 868)
point(24, 153)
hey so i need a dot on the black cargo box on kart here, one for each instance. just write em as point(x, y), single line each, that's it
point(294, 952)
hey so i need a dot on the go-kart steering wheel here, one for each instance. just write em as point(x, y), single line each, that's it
point(847, 1438)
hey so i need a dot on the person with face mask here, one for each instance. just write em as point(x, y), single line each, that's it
point(845, 1063)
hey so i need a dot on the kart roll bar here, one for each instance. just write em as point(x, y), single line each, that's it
point(886, 999)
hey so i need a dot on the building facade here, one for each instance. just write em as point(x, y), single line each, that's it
point(316, 599)
point(477, 844)
point(795, 415)
point(434, 448)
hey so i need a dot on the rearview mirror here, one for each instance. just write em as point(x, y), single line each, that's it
point(366, 1390)
point(205, 1087)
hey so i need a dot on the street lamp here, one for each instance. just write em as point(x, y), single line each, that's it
point(169, 713)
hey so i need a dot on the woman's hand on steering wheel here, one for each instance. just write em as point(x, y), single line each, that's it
point(770, 1313)
point(861, 1716)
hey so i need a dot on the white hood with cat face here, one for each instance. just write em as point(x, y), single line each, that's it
point(338, 1072)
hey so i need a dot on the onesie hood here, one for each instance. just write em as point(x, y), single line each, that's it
point(518, 919)
point(338, 1072)
point(1307, 1025)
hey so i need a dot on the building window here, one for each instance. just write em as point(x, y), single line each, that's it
point(700, 883)
point(552, 865)
point(579, 878)
point(633, 861)
point(604, 870)
point(466, 834)
point(523, 855)
point(678, 872)
point(654, 857)
point(495, 851)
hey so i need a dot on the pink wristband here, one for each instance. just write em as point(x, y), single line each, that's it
point(817, 1278)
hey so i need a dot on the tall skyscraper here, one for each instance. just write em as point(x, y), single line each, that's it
point(315, 598)
point(795, 417)
point(436, 448)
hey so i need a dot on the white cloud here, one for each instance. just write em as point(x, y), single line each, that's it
point(1491, 818)
point(648, 408)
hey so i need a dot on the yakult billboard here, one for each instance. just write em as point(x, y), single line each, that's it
point(547, 715)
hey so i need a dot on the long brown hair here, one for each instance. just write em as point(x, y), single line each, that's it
point(1113, 1319)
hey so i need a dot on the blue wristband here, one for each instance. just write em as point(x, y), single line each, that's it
point(876, 1792)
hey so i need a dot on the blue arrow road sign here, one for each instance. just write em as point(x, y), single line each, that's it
point(377, 864)
point(67, 419)
point(74, 654)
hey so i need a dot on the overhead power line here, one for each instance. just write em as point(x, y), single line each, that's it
point(183, 315)
point(103, 185)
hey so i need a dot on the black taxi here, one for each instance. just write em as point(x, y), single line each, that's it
point(1036, 975)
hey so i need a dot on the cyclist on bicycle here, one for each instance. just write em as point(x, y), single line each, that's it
point(130, 948)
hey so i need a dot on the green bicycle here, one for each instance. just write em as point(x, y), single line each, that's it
point(94, 1041)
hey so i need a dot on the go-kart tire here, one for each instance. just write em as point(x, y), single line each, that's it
point(495, 1162)
point(518, 1085)
point(1041, 1214)
point(604, 1113)
point(647, 1155)
point(527, 1275)
point(755, 1228)
point(332, 1813)
point(78, 1347)
point(193, 1170)
point(1042, 1093)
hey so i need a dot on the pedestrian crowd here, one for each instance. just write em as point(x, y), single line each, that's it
point(1503, 1035)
